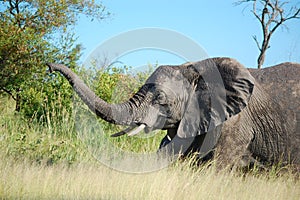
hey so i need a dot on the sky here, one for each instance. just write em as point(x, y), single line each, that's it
point(217, 26)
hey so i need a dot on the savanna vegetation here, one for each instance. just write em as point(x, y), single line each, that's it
point(42, 152)
point(43, 162)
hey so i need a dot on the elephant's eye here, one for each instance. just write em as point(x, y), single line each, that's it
point(161, 98)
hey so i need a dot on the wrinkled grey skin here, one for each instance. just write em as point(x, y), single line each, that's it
point(213, 107)
point(282, 83)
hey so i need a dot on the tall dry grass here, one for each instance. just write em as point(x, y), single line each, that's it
point(22, 180)
point(25, 172)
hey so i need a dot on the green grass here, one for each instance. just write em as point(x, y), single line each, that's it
point(22, 138)
point(67, 138)
point(55, 160)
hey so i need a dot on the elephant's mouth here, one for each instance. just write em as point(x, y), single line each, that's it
point(151, 124)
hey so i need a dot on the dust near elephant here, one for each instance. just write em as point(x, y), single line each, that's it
point(214, 107)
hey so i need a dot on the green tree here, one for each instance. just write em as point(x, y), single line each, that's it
point(33, 32)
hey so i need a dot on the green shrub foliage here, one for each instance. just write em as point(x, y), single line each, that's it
point(33, 33)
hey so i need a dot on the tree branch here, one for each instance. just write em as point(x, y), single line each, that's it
point(8, 92)
point(296, 15)
point(241, 2)
point(255, 13)
point(271, 14)
point(256, 41)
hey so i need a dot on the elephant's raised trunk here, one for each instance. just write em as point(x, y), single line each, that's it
point(121, 114)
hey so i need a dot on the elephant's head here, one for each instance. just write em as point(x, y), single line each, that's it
point(188, 100)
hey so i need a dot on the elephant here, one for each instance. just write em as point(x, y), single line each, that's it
point(214, 108)
point(282, 83)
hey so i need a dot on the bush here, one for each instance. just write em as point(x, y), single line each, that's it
point(46, 129)
point(37, 143)
point(44, 99)
point(116, 85)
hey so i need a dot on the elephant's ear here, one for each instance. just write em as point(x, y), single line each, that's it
point(222, 89)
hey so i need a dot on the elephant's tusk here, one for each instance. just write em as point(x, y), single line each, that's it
point(137, 130)
point(123, 132)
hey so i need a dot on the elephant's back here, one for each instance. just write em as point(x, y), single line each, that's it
point(282, 82)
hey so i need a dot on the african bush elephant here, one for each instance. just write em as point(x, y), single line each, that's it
point(213, 107)
point(282, 83)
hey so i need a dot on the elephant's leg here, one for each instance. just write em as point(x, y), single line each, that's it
point(167, 139)
point(233, 149)
point(236, 156)
point(174, 148)
point(246, 162)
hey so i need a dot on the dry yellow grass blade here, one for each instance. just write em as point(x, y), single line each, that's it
point(20, 180)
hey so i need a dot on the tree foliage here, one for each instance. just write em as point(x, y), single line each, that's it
point(271, 15)
point(32, 33)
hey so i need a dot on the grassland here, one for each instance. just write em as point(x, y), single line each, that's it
point(51, 162)
point(22, 180)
